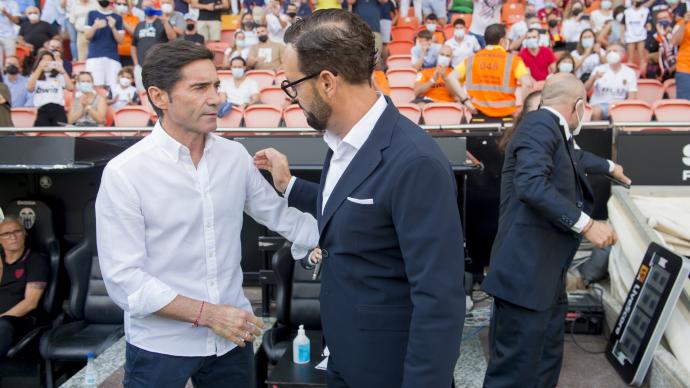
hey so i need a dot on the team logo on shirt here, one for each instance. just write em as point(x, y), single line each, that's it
point(18, 273)
point(28, 217)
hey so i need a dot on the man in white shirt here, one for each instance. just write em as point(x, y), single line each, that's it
point(9, 17)
point(610, 82)
point(462, 43)
point(169, 216)
point(275, 22)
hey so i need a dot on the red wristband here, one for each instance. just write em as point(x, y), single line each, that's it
point(201, 309)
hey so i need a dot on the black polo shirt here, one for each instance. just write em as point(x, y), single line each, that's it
point(32, 267)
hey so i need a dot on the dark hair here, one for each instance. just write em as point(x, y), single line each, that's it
point(431, 16)
point(494, 33)
point(617, 10)
point(459, 21)
point(581, 50)
point(335, 40)
point(37, 60)
point(233, 59)
point(533, 29)
point(508, 134)
point(163, 65)
point(425, 34)
point(126, 69)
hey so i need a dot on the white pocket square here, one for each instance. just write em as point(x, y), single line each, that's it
point(367, 201)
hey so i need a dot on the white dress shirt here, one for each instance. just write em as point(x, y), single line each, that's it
point(345, 149)
point(584, 218)
point(168, 228)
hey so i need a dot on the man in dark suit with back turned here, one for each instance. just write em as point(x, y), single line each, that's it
point(545, 199)
point(392, 299)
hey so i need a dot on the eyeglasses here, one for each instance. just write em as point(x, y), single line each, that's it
point(7, 235)
point(289, 87)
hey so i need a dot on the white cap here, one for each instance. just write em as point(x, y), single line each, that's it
point(189, 16)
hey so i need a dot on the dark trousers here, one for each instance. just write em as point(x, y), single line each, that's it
point(51, 115)
point(144, 369)
point(525, 346)
point(12, 329)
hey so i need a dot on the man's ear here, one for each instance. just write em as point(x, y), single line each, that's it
point(159, 98)
point(328, 82)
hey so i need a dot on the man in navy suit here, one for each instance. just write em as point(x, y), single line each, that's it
point(392, 299)
point(545, 201)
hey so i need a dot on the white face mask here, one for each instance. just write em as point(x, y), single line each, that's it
point(240, 43)
point(121, 8)
point(237, 72)
point(32, 17)
point(587, 42)
point(578, 128)
point(613, 58)
point(125, 82)
point(531, 43)
point(166, 8)
point(459, 33)
point(606, 4)
point(565, 67)
point(443, 61)
point(431, 27)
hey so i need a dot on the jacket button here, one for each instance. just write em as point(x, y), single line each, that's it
point(324, 253)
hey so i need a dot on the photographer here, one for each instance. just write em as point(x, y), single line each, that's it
point(47, 82)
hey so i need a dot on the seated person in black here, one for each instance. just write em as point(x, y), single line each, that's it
point(23, 278)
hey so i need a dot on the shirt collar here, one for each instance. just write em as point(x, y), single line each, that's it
point(495, 47)
point(360, 132)
point(561, 120)
point(172, 147)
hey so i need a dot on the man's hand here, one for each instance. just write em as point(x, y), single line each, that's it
point(111, 22)
point(229, 322)
point(315, 256)
point(618, 174)
point(100, 23)
point(600, 234)
point(468, 104)
point(276, 163)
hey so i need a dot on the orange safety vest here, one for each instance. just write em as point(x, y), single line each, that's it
point(490, 83)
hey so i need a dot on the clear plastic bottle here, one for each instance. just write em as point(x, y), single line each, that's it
point(301, 347)
point(91, 375)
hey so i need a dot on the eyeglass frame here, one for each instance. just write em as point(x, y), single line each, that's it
point(16, 233)
point(287, 84)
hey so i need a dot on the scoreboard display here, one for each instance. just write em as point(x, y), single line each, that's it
point(646, 312)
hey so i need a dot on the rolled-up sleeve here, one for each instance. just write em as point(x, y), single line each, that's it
point(120, 231)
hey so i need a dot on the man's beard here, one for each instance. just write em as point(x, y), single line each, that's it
point(318, 117)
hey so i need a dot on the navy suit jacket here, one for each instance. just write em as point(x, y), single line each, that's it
point(392, 297)
point(542, 195)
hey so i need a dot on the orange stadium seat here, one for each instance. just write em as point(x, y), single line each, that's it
point(397, 61)
point(21, 53)
point(262, 77)
point(401, 76)
point(398, 47)
point(229, 22)
point(672, 110)
point(227, 36)
point(294, 117)
point(131, 116)
point(411, 111)
point(402, 94)
point(24, 117)
point(650, 90)
point(262, 116)
point(403, 33)
point(231, 120)
point(273, 95)
point(217, 45)
point(630, 110)
point(670, 88)
point(408, 21)
point(225, 75)
point(442, 113)
point(512, 12)
point(218, 57)
point(78, 67)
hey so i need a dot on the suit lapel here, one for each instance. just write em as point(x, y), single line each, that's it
point(322, 182)
point(363, 164)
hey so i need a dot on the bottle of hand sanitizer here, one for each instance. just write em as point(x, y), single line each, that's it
point(300, 347)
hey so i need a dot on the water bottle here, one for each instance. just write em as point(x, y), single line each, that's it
point(90, 377)
point(300, 347)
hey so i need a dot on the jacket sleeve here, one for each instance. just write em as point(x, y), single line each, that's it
point(535, 145)
point(592, 163)
point(427, 222)
point(303, 196)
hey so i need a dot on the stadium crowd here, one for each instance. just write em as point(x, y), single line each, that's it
point(78, 62)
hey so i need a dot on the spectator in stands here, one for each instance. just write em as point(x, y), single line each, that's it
point(78, 17)
point(33, 32)
point(249, 29)
point(677, 8)
point(190, 32)
point(54, 12)
point(370, 12)
point(379, 77)
point(8, 18)
point(484, 14)
point(436, 7)
point(611, 82)
point(602, 15)
point(432, 24)
point(238, 49)
point(5, 113)
point(265, 55)
point(587, 55)
point(613, 29)
point(47, 82)
point(539, 60)
point(275, 22)
point(55, 47)
point(555, 37)
point(530, 104)
point(566, 64)
point(431, 83)
point(548, 10)
point(124, 93)
point(460, 7)
point(241, 90)
point(24, 278)
point(388, 18)
point(16, 82)
point(519, 29)
point(151, 31)
point(88, 108)
point(462, 43)
point(681, 39)
point(172, 17)
point(635, 19)
point(129, 23)
point(208, 23)
point(301, 8)
point(104, 31)
point(576, 21)
point(425, 52)
point(662, 53)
